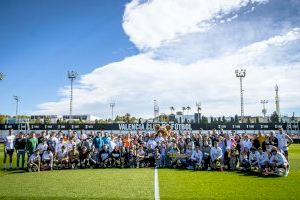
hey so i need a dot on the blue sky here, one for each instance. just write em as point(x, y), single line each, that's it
point(134, 51)
point(41, 40)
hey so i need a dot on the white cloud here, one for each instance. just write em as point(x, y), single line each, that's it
point(152, 23)
point(134, 82)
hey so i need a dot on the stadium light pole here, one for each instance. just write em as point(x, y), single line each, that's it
point(198, 105)
point(1, 76)
point(72, 75)
point(264, 110)
point(241, 74)
point(112, 105)
point(17, 99)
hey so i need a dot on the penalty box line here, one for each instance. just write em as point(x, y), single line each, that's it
point(156, 185)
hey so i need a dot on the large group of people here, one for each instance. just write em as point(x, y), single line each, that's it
point(212, 150)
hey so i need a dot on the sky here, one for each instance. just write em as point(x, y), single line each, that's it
point(178, 52)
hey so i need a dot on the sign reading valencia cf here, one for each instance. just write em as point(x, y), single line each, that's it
point(151, 126)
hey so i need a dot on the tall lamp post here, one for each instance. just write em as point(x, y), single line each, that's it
point(241, 74)
point(112, 105)
point(17, 99)
point(72, 75)
point(198, 105)
point(1, 76)
point(264, 110)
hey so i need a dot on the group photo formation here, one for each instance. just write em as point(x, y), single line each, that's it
point(215, 150)
point(149, 99)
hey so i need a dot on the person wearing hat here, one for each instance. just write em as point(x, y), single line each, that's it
point(34, 161)
point(278, 161)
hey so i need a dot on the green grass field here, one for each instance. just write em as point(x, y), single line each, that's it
point(139, 184)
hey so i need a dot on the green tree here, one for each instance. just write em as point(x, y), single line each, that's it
point(236, 119)
point(248, 120)
point(127, 118)
point(3, 118)
point(274, 117)
point(204, 120)
point(223, 119)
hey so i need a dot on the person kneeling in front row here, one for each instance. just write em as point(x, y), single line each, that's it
point(34, 161)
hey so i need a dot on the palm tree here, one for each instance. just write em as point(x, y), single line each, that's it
point(127, 117)
point(183, 109)
point(172, 109)
point(188, 108)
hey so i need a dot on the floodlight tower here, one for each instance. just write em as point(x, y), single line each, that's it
point(112, 105)
point(17, 99)
point(198, 105)
point(72, 75)
point(241, 74)
point(264, 110)
point(277, 100)
point(156, 109)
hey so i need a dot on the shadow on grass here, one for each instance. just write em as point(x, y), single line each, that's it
point(57, 198)
point(254, 174)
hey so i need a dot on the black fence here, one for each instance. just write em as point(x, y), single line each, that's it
point(151, 126)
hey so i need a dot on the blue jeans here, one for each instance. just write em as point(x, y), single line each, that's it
point(21, 152)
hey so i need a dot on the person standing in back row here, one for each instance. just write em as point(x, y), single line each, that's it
point(8, 148)
point(31, 144)
point(20, 145)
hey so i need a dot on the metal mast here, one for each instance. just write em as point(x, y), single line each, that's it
point(198, 105)
point(112, 105)
point(241, 74)
point(17, 99)
point(277, 101)
point(156, 110)
point(72, 76)
point(264, 110)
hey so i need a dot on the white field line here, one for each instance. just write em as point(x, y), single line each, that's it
point(156, 186)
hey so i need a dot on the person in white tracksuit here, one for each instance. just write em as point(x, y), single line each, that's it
point(253, 157)
point(263, 161)
point(216, 156)
point(278, 161)
point(283, 142)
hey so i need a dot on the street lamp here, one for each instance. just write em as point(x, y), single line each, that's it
point(264, 110)
point(112, 105)
point(241, 74)
point(1, 76)
point(72, 75)
point(198, 105)
point(17, 99)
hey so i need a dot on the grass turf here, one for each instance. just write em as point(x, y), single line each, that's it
point(139, 184)
point(187, 184)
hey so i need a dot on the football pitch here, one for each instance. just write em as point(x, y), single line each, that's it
point(139, 183)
